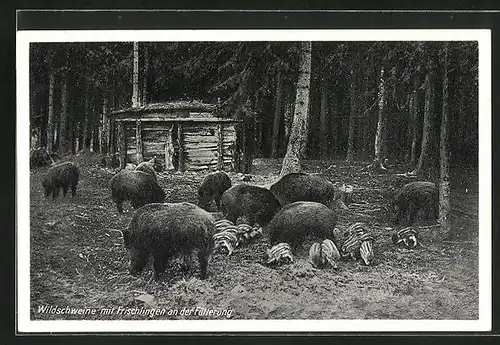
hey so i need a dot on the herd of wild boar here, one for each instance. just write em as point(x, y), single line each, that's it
point(295, 207)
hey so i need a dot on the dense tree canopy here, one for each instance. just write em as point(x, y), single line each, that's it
point(257, 81)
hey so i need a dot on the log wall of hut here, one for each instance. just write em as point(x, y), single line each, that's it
point(154, 136)
point(182, 146)
point(183, 135)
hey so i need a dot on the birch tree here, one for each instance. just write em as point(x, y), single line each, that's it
point(298, 135)
point(444, 183)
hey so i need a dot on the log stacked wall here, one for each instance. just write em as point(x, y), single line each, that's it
point(200, 146)
point(199, 140)
point(154, 137)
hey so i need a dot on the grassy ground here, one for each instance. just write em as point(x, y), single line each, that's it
point(78, 259)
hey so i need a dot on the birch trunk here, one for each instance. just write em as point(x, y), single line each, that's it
point(105, 125)
point(145, 77)
point(63, 121)
point(382, 122)
point(324, 126)
point(298, 135)
point(278, 111)
point(50, 117)
point(86, 123)
point(135, 77)
point(444, 183)
point(352, 117)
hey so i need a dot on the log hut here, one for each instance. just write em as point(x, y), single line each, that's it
point(184, 136)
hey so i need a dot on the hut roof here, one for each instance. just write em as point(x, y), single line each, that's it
point(169, 106)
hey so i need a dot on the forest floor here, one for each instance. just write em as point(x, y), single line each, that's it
point(78, 258)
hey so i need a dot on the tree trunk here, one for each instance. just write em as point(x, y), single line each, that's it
point(138, 142)
point(385, 108)
point(259, 136)
point(462, 116)
point(352, 116)
point(86, 122)
point(91, 128)
point(288, 119)
point(382, 123)
point(56, 134)
point(444, 183)
point(416, 129)
point(298, 135)
point(34, 137)
point(278, 112)
point(358, 132)
point(72, 121)
point(365, 127)
point(113, 137)
point(99, 133)
point(50, 116)
point(249, 135)
point(135, 77)
point(409, 127)
point(303, 153)
point(428, 123)
point(63, 120)
point(324, 126)
point(77, 137)
point(105, 125)
point(334, 124)
point(145, 76)
point(122, 143)
point(92, 137)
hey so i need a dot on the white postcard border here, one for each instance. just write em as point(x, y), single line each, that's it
point(24, 324)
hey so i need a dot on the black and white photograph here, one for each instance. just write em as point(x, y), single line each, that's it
point(256, 180)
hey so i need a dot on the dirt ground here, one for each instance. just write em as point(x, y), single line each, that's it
point(78, 259)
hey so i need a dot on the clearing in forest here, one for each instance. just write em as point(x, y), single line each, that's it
point(78, 259)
